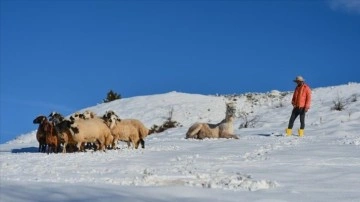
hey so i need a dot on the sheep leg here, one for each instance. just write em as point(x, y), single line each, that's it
point(43, 148)
point(142, 142)
point(228, 135)
point(79, 146)
point(64, 147)
point(100, 146)
point(135, 143)
point(193, 131)
point(115, 143)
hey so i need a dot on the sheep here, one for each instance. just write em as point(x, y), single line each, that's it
point(109, 142)
point(224, 129)
point(51, 138)
point(91, 130)
point(107, 117)
point(62, 128)
point(65, 134)
point(40, 133)
point(128, 130)
point(56, 118)
point(84, 116)
point(108, 114)
point(77, 116)
point(89, 114)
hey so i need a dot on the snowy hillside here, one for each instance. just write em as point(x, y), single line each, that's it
point(262, 165)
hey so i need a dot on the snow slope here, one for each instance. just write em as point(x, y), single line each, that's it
point(262, 165)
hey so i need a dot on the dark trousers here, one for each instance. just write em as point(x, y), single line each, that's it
point(294, 114)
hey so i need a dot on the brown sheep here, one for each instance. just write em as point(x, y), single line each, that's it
point(51, 137)
point(40, 133)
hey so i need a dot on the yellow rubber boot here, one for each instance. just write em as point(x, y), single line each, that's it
point(301, 132)
point(288, 132)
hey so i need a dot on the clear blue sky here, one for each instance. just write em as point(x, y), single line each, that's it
point(66, 55)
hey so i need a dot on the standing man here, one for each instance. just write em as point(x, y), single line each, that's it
point(301, 102)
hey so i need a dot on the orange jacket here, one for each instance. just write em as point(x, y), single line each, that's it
point(302, 96)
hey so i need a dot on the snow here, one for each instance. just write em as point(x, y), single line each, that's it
point(262, 165)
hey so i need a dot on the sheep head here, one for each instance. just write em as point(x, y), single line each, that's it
point(39, 119)
point(88, 114)
point(56, 118)
point(77, 116)
point(71, 125)
point(111, 121)
point(109, 113)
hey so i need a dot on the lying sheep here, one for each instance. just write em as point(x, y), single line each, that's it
point(91, 130)
point(128, 130)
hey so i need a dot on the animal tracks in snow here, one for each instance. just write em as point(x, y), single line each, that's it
point(199, 178)
point(349, 140)
point(271, 143)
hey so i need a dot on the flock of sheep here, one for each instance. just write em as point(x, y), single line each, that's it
point(86, 130)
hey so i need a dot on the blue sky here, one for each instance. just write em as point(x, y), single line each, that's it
point(66, 55)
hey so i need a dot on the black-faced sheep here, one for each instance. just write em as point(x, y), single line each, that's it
point(51, 137)
point(128, 130)
point(40, 133)
point(66, 134)
point(56, 118)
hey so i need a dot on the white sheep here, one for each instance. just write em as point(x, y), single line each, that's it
point(128, 130)
point(91, 130)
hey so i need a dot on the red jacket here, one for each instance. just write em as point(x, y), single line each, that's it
point(302, 96)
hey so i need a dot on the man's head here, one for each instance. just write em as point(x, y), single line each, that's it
point(299, 80)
